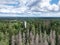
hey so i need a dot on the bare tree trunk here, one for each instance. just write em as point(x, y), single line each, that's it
point(23, 39)
point(58, 39)
point(52, 37)
point(37, 39)
point(25, 24)
point(45, 38)
point(12, 40)
point(16, 40)
point(27, 36)
point(31, 39)
point(41, 38)
point(25, 33)
point(19, 38)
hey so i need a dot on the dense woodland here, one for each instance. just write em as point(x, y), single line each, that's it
point(30, 32)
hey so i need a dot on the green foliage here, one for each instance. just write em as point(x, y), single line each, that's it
point(9, 28)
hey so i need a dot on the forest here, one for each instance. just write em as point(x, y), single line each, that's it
point(30, 32)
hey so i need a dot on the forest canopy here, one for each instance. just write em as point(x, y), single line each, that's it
point(12, 31)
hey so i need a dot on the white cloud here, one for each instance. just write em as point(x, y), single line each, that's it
point(55, 7)
point(7, 4)
point(44, 5)
point(11, 9)
point(30, 2)
point(7, 1)
point(22, 2)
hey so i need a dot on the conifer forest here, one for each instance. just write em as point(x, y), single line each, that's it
point(30, 32)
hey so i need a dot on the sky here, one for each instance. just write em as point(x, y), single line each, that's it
point(54, 2)
point(24, 6)
point(48, 5)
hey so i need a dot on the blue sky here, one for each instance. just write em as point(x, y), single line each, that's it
point(54, 1)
